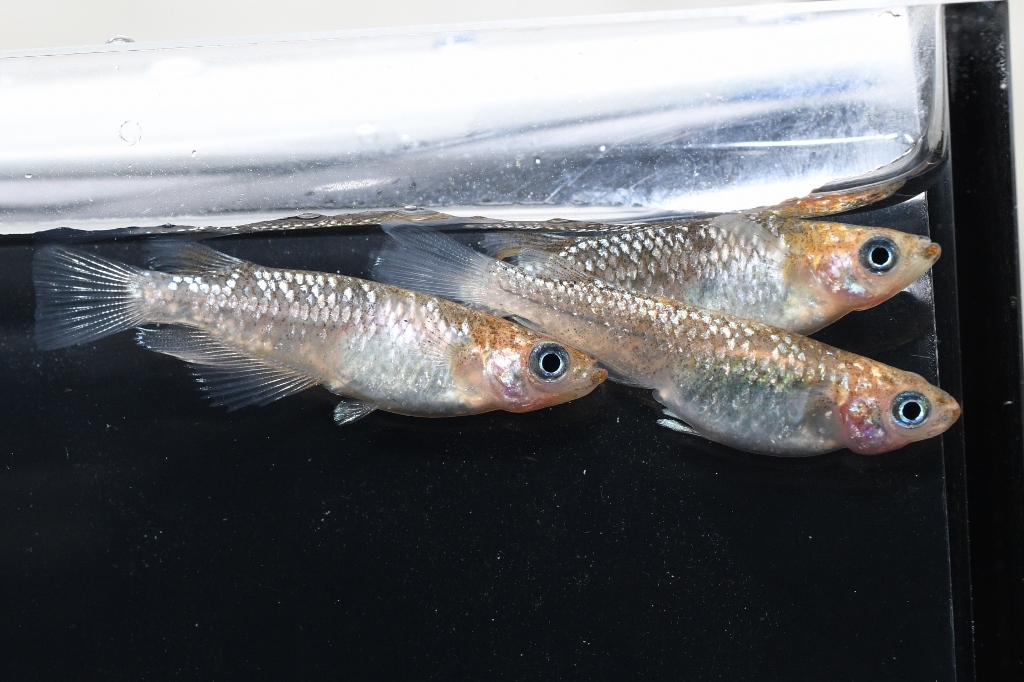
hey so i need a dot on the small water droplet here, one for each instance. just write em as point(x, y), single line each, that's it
point(28, 176)
point(131, 132)
point(601, 148)
point(120, 39)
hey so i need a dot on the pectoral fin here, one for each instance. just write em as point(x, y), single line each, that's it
point(679, 426)
point(350, 410)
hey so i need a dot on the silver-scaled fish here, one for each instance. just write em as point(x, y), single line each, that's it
point(734, 381)
point(256, 334)
point(794, 274)
point(810, 206)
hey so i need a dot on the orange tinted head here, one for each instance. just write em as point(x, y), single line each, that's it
point(853, 267)
point(524, 372)
point(908, 411)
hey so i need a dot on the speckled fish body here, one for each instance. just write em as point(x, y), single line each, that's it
point(257, 333)
point(794, 274)
point(812, 205)
point(735, 381)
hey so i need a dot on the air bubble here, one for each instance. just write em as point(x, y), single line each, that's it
point(131, 132)
point(308, 216)
point(601, 148)
point(120, 39)
point(28, 176)
point(194, 153)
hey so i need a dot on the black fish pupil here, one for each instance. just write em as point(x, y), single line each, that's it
point(911, 410)
point(880, 256)
point(550, 363)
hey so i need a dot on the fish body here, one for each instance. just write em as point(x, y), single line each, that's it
point(257, 333)
point(733, 380)
point(794, 274)
point(813, 205)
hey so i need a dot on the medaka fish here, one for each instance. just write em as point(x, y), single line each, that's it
point(734, 381)
point(815, 204)
point(256, 334)
point(794, 274)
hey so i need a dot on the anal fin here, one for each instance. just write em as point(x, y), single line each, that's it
point(231, 377)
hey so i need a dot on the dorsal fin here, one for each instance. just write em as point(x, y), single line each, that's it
point(420, 258)
point(183, 257)
point(231, 377)
point(505, 245)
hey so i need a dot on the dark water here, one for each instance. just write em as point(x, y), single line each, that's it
point(146, 535)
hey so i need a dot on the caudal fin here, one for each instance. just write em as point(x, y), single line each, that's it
point(420, 258)
point(81, 297)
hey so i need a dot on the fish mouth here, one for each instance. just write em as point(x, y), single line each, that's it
point(598, 376)
point(927, 253)
point(947, 412)
point(952, 409)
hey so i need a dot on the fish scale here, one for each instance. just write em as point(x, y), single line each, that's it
point(733, 380)
point(791, 273)
point(703, 263)
point(262, 310)
point(257, 334)
point(731, 376)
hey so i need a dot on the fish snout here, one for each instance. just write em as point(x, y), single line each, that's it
point(950, 408)
point(930, 251)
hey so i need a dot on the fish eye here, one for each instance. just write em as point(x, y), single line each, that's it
point(910, 409)
point(879, 255)
point(549, 361)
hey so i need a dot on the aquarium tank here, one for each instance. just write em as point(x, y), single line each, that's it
point(597, 530)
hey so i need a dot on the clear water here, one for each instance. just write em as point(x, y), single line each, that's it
point(145, 533)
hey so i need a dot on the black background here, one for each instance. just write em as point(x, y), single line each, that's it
point(145, 535)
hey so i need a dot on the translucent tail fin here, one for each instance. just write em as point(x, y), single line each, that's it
point(81, 297)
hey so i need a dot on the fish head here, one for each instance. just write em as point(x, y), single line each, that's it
point(854, 268)
point(528, 372)
point(906, 410)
